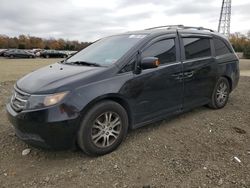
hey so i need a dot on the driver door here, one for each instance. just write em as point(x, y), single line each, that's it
point(158, 91)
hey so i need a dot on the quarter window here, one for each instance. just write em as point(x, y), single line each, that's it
point(164, 50)
point(129, 67)
point(221, 48)
point(197, 47)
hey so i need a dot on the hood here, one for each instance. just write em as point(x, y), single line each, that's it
point(55, 77)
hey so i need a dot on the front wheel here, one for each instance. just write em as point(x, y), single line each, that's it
point(103, 128)
point(220, 94)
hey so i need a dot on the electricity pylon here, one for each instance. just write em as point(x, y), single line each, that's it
point(225, 18)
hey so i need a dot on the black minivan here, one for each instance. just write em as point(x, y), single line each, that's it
point(123, 82)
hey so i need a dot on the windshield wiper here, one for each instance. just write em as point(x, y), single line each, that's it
point(82, 63)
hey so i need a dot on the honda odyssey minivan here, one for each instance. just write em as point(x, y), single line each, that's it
point(122, 82)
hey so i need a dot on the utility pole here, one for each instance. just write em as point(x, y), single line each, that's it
point(225, 18)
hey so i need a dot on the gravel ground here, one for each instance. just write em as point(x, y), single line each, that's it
point(195, 149)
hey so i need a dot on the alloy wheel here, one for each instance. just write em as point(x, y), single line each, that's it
point(222, 93)
point(106, 129)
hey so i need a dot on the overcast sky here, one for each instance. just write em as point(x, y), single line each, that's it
point(88, 20)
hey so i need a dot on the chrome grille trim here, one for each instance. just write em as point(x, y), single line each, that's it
point(20, 91)
point(19, 100)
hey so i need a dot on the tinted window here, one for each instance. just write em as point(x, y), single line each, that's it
point(164, 50)
point(197, 47)
point(220, 47)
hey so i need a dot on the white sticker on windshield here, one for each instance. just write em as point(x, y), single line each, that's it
point(137, 36)
point(110, 60)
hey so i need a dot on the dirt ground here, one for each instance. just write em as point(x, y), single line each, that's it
point(195, 149)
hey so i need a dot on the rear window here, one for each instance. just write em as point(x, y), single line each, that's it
point(220, 47)
point(197, 47)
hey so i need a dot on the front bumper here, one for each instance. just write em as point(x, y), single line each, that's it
point(44, 128)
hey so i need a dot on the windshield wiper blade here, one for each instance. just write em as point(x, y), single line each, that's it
point(82, 63)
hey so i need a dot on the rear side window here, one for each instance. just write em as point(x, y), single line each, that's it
point(165, 50)
point(197, 47)
point(220, 47)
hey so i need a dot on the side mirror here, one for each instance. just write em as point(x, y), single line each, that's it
point(149, 63)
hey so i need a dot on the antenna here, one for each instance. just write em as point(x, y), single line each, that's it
point(225, 18)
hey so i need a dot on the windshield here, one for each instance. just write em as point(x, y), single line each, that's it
point(106, 51)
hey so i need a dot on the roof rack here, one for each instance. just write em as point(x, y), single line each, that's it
point(179, 27)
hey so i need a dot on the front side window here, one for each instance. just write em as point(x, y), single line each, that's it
point(220, 47)
point(196, 47)
point(164, 50)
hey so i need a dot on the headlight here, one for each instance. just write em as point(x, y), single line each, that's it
point(53, 99)
point(41, 101)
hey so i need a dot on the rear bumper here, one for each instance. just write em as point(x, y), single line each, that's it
point(37, 128)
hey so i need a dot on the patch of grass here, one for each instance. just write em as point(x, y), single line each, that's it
point(13, 69)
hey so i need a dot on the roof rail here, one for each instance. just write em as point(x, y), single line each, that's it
point(166, 26)
point(179, 27)
point(198, 28)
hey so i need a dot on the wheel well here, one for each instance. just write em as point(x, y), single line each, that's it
point(229, 81)
point(116, 99)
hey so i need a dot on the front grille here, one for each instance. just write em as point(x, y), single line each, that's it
point(19, 100)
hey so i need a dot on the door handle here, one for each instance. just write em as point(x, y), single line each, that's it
point(188, 74)
point(178, 76)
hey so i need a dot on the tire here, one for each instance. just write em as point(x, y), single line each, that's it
point(47, 56)
point(220, 94)
point(30, 57)
point(94, 134)
point(11, 56)
point(65, 56)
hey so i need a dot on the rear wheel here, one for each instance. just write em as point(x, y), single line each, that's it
point(103, 128)
point(47, 56)
point(220, 94)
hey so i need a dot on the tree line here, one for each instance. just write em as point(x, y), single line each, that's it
point(241, 43)
point(31, 42)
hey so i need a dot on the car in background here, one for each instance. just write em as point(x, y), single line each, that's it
point(2, 51)
point(71, 53)
point(37, 52)
point(6, 52)
point(17, 53)
point(53, 53)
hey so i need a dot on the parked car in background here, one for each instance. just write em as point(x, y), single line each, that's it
point(53, 53)
point(70, 53)
point(17, 53)
point(37, 52)
point(2, 51)
point(6, 52)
